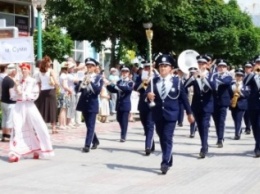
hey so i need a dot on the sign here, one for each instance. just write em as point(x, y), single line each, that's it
point(16, 50)
point(22, 23)
point(8, 32)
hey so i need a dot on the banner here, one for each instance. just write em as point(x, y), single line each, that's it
point(16, 50)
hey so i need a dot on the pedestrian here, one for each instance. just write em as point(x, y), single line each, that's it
point(47, 101)
point(113, 78)
point(71, 81)
point(88, 103)
point(30, 134)
point(104, 110)
point(63, 97)
point(7, 105)
point(166, 93)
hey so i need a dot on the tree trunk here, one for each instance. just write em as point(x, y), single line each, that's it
point(113, 62)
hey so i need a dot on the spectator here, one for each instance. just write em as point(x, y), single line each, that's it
point(47, 102)
point(7, 104)
point(63, 99)
point(72, 80)
point(104, 110)
point(113, 78)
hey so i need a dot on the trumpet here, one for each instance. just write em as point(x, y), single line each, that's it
point(86, 81)
point(235, 97)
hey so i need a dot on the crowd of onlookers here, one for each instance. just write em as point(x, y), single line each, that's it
point(58, 98)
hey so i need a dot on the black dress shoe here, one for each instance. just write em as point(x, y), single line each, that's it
point(247, 131)
point(237, 137)
point(180, 124)
point(94, 146)
point(122, 140)
point(203, 152)
point(85, 149)
point(220, 144)
point(148, 151)
point(192, 135)
point(164, 169)
point(257, 153)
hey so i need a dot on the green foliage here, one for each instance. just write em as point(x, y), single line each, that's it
point(55, 43)
point(204, 25)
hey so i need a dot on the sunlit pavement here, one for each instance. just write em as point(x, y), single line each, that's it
point(123, 167)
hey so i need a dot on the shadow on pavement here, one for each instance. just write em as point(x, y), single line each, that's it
point(122, 150)
point(242, 154)
point(118, 140)
point(4, 158)
point(66, 147)
point(120, 166)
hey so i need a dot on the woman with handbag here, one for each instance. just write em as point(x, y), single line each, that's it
point(47, 102)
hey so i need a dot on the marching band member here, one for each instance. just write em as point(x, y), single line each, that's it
point(221, 81)
point(202, 102)
point(30, 134)
point(238, 105)
point(88, 103)
point(253, 81)
point(123, 88)
point(166, 93)
point(248, 68)
point(144, 110)
point(181, 76)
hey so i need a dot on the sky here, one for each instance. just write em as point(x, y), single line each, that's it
point(252, 6)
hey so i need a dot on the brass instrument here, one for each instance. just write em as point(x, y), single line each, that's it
point(257, 71)
point(145, 83)
point(86, 81)
point(235, 97)
point(186, 60)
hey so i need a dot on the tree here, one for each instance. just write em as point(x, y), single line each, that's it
point(204, 25)
point(99, 20)
point(56, 44)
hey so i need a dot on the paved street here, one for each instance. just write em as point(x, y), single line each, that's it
point(123, 168)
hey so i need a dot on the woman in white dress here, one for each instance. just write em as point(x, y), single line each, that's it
point(104, 102)
point(30, 133)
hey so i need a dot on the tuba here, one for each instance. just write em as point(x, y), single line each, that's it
point(235, 97)
point(186, 60)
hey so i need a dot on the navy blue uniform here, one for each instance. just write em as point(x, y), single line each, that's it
point(253, 82)
point(88, 105)
point(165, 113)
point(202, 106)
point(124, 89)
point(221, 96)
point(145, 115)
point(238, 111)
point(246, 115)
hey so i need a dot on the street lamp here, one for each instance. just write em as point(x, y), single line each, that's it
point(149, 36)
point(39, 4)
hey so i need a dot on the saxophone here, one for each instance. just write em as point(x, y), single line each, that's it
point(235, 97)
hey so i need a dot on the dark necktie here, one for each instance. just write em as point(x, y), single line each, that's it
point(163, 89)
